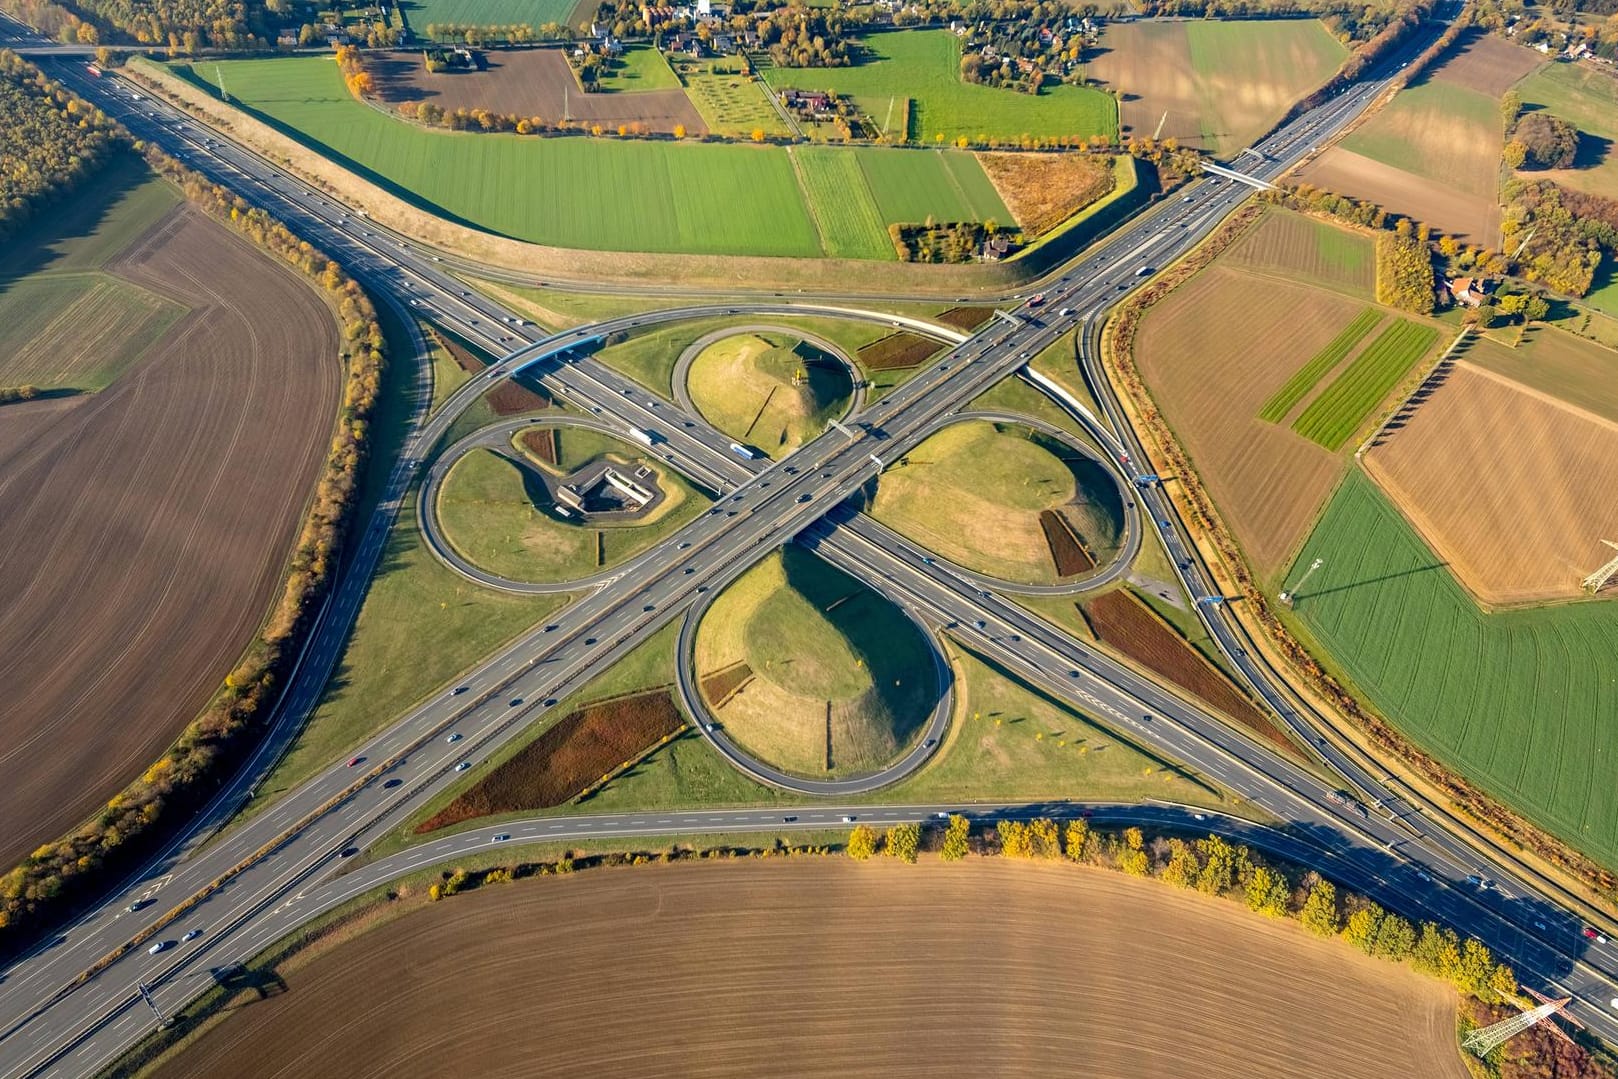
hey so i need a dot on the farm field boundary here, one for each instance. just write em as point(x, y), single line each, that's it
point(1347, 400)
point(1323, 363)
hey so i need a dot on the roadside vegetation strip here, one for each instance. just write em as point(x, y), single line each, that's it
point(842, 205)
point(1297, 387)
point(1123, 622)
point(580, 750)
point(1347, 400)
point(1471, 687)
point(897, 350)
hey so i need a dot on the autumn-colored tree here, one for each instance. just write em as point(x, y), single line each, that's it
point(903, 842)
point(956, 839)
point(861, 842)
point(679, 131)
point(1014, 841)
point(1268, 892)
point(758, 134)
point(1077, 839)
point(1319, 914)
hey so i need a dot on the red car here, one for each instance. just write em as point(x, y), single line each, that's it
point(1036, 299)
point(352, 761)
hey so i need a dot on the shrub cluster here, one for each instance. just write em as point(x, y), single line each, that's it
point(1559, 234)
point(13, 394)
point(59, 875)
point(1542, 141)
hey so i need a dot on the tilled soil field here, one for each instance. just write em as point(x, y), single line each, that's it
point(146, 527)
point(826, 967)
point(1471, 217)
point(1512, 488)
point(531, 83)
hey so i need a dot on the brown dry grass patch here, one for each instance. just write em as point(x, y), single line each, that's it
point(1067, 553)
point(146, 527)
point(1043, 190)
point(965, 319)
point(895, 351)
point(578, 750)
point(826, 967)
point(719, 686)
point(530, 83)
point(1518, 526)
point(1212, 352)
point(541, 443)
point(512, 398)
point(1122, 621)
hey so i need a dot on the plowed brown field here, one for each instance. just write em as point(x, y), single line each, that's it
point(1511, 487)
point(1212, 353)
point(1472, 217)
point(530, 82)
point(145, 528)
point(826, 967)
point(1487, 63)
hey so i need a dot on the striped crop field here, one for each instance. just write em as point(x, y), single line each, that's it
point(1343, 405)
point(1323, 362)
point(606, 193)
point(1519, 701)
point(840, 200)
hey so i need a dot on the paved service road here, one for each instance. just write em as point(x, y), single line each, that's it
point(53, 1018)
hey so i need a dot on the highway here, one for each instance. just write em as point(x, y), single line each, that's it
point(49, 1023)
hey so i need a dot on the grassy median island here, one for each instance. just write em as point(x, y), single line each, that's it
point(811, 671)
point(496, 510)
point(984, 495)
point(769, 390)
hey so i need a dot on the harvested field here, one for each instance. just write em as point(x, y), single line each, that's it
point(897, 350)
point(531, 83)
point(1043, 190)
point(1299, 247)
point(835, 968)
point(580, 749)
point(146, 527)
point(1221, 83)
point(965, 319)
point(1487, 63)
point(1475, 218)
point(1439, 131)
point(1127, 625)
point(1518, 526)
point(1574, 370)
point(1067, 553)
point(1212, 353)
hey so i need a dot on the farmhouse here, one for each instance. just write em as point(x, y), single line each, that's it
point(1465, 291)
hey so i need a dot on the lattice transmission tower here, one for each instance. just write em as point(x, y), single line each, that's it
point(1485, 1040)
point(1597, 580)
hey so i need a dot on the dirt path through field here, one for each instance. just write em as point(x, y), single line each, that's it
point(825, 967)
point(146, 527)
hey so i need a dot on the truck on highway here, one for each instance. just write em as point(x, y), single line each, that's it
point(746, 453)
point(645, 438)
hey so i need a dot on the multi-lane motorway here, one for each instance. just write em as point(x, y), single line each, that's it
point(273, 865)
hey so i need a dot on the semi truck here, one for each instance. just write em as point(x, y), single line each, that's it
point(746, 453)
point(645, 438)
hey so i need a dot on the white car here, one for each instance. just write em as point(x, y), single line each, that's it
point(160, 946)
point(463, 766)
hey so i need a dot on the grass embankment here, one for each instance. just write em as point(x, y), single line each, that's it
point(501, 520)
point(768, 390)
point(822, 675)
point(420, 626)
point(1512, 700)
point(66, 323)
point(605, 194)
point(974, 492)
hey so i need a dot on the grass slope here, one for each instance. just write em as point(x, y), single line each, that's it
point(1519, 701)
point(815, 637)
point(489, 514)
point(925, 66)
point(596, 193)
point(743, 385)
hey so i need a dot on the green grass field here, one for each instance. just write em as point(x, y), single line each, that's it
point(744, 386)
point(64, 323)
point(925, 66)
point(1519, 701)
point(594, 193)
point(421, 624)
point(1346, 401)
point(831, 661)
point(1297, 387)
point(973, 492)
point(844, 209)
point(535, 13)
point(488, 513)
point(1587, 98)
point(640, 67)
point(1440, 131)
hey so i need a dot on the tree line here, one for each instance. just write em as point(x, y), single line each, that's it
point(53, 142)
point(184, 25)
point(61, 875)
